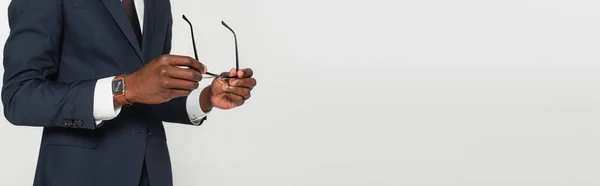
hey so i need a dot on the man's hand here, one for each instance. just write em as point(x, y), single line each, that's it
point(163, 79)
point(228, 93)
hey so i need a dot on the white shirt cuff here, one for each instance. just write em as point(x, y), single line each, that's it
point(193, 109)
point(104, 108)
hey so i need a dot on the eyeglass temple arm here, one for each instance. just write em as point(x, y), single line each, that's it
point(193, 39)
point(237, 61)
point(194, 43)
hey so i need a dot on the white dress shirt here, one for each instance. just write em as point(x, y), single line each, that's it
point(103, 97)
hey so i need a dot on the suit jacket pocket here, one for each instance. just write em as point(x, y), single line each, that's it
point(70, 137)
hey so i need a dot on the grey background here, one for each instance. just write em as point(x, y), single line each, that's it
point(386, 92)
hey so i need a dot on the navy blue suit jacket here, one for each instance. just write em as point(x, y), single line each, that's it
point(55, 53)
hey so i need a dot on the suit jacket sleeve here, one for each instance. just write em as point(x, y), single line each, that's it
point(175, 110)
point(30, 94)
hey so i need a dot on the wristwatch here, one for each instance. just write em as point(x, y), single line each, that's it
point(118, 90)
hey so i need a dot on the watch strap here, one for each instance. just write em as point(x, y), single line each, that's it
point(120, 98)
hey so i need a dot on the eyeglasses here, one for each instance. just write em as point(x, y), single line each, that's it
point(237, 62)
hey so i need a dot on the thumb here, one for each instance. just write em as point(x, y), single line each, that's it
point(232, 72)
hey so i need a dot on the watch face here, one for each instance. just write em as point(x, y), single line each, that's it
point(117, 86)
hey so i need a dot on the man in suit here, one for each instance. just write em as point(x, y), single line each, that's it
point(98, 77)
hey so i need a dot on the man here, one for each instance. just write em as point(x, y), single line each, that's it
point(97, 75)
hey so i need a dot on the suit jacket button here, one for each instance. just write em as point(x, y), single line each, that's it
point(79, 122)
point(68, 122)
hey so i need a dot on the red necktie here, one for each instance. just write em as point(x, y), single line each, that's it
point(129, 6)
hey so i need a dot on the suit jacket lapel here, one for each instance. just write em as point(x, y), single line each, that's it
point(147, 39)
point(120, 16)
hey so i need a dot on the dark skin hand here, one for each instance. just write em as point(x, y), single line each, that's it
point(162, 79)
point(228, 93)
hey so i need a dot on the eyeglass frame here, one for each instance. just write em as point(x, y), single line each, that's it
point(237, 62)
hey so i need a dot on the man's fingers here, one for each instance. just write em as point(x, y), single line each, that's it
point(232, 72)
point(229, 74)
point(224, 74)
point(243, 82)
point(188, 62)
point(238, 100)
point(240, 91)
point(175, 93)
point(245, 73)
point(171, 83)
point(184, 74)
